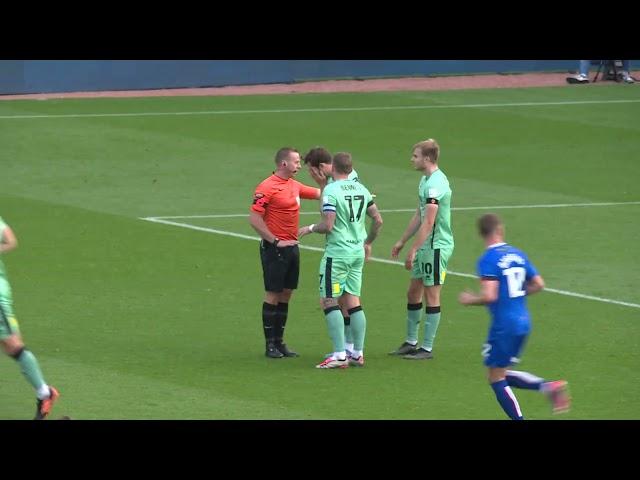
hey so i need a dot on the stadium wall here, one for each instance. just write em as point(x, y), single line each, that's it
point(52, 76)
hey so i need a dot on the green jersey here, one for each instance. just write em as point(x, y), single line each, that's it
point(3, 273)
point(349, 200)
point(8, 323)
point(435, 189)
point(352, 176)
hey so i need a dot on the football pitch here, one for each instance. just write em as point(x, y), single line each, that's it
point(137, 280)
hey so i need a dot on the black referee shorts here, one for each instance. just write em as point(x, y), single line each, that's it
point(280, 266)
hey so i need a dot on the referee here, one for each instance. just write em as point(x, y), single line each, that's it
point(275, 215)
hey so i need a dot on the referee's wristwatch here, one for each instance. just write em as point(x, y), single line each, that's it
point(275, 241)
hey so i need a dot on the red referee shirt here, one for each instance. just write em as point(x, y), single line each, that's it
point(278, 201)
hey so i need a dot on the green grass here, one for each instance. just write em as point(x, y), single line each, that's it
point(136, 320)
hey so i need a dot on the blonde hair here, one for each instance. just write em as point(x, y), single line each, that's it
point(429, 148)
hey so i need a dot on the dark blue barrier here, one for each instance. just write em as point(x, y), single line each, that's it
point(48, 76)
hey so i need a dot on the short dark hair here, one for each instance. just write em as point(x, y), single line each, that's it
point(488, 224)
point(283, 153)
point(342, 162)
point(316, 156)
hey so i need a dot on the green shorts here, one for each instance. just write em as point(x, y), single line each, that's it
point(340, 275)
point(8, 323)
point(431, 265)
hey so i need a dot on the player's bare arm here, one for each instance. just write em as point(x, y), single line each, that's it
point(9, 240)
point(410, 231)
point(325, 226)
point(535, 285)
point(422, 234)
point(374, 229)
point(488, 294)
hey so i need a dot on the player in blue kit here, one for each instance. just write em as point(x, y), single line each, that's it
point(506, 278)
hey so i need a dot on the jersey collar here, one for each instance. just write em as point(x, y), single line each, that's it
point(432, 173)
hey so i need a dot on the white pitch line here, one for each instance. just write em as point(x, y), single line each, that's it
point(310, 110)
point(494, 207)
point(542, 205)
point(591, 297)
point(375, 259)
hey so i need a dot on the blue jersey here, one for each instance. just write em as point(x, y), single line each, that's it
point(512, 269)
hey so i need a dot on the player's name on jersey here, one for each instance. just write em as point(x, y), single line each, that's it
point(348, 187)
point(510, 258)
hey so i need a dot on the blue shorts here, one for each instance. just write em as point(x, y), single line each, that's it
point(503, 350)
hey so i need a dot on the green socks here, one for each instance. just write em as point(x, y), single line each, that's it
point(30, 368)
point(414, 313)
point(358, 327)
point(431, 327)
point(335, 323)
